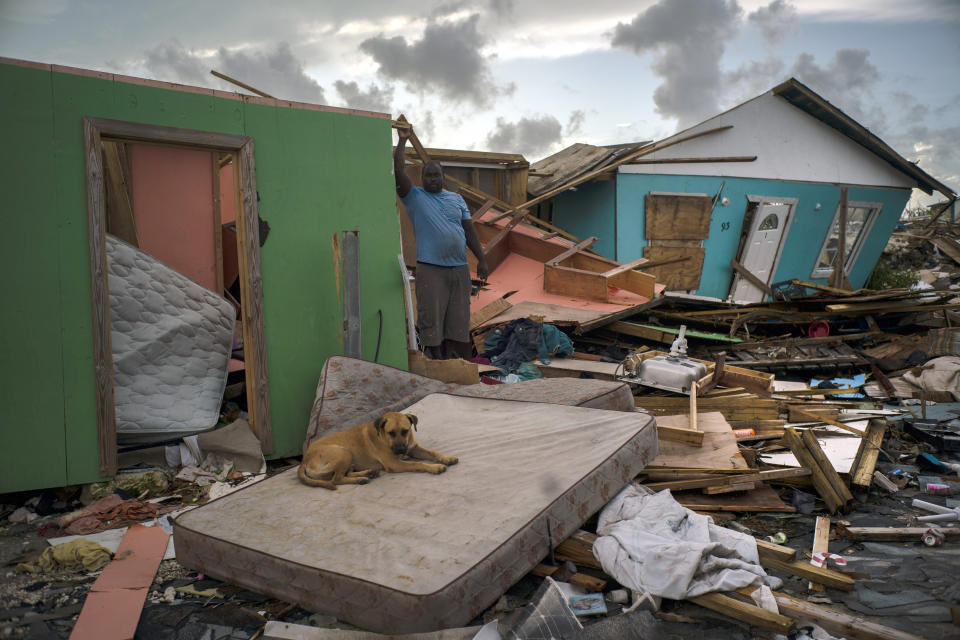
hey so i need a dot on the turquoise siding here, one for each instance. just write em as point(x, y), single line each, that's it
point(588, 211)
point(805, 236)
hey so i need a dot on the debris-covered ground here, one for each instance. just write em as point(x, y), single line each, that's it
point(814, 362)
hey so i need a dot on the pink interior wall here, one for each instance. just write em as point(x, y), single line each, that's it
point(227, 209)
point(173, 208)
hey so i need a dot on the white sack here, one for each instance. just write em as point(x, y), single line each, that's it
point(649, 542)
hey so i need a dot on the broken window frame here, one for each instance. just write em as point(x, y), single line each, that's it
point(833, 231)
point(95, 130)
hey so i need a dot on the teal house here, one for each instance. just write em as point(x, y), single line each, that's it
point(750, 197)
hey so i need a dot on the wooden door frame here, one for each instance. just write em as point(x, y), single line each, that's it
point(760, 200)
point(251, 284)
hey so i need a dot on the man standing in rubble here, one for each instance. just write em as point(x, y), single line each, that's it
point(444, 229)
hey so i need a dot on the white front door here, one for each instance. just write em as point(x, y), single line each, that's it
point(760, 250)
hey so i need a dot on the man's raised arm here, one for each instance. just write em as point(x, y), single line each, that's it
point(404, 184)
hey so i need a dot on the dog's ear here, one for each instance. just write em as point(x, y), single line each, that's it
point(378, 425)
point(413, 420)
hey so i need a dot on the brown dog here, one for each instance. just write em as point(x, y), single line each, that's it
point(357, 455)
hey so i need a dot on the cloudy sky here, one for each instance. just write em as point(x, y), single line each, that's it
point(532, 77)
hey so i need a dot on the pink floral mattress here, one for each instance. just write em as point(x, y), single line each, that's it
point(415, 552)
point(352, 392)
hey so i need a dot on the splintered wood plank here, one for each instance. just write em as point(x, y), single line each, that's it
point(761, 499)
point(488, 312)
point(893, 534)
point(837, 622)
point(769, 550)
point(718, 450)
point(578, 549)
point(861, 473)
point(681, 276)
point(112, 608)
point(744, 611)
point(806, 459)
point(676, 434)
point(580, 579)
point(803, 569)
point(821, 544)
point(677, 217)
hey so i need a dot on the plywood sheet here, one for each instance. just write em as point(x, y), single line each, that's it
point(573, 367)
point(763, 498)
point(679, 276)
point(677, 217)
point(719, 449)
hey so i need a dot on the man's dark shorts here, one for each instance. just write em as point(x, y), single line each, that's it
point(443, 303)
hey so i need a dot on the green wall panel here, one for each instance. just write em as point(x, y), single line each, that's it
point(318, 173)
point(32, 448)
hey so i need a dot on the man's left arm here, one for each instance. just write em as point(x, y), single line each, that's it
point(473, 242)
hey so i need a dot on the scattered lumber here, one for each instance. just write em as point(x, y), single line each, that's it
point(580, 579)
point(797, 413)
point(678, 434)
point(803, 569)
point(821, 544)
point(772, 551)
point(837, 622)
point(821, 483)
point(578, 549)
point(820, 418)
point(893, 534)
point(682, 485)
point(488, 312)
point(826, 467)
point(744, 611)
point(861, 473)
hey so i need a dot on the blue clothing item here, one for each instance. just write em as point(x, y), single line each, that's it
point(437, 224)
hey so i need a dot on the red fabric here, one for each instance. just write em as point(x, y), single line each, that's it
point(110, 513)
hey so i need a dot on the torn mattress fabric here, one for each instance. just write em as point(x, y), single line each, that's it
point(650, 543)
point(171, 340)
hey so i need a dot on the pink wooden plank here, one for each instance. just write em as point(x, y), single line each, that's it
point(113, 606)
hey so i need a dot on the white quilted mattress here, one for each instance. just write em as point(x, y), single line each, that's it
point(171, 348)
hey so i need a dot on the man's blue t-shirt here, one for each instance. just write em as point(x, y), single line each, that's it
point(437, 224)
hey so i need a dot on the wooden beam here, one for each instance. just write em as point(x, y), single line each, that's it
point(120, 219)
point(580, 246)
point(217, 225)
point(771, 551)
point(806, 459)
point(488, 311)
point(810, 440)
point(242, 85)
point(697, 160)
point(837, 622)
point(818, 418)
point(861, 473)
point(892, 534)
point(762, 476)
point(836, 278)
point(677, 434)
point(752, 279)
point(482, 209)
point(803, 569)
point(629, 266)
point(578, 549)
point(821, 544)
point(745, 612)
point(580, 579)
point(645, 150)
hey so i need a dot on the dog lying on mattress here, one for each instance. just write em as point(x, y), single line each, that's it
point(359, 454)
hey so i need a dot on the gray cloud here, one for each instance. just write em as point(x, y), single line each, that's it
point(503, 8)
point(446, 59)
point(276, 72)
point(575, 122)
point(774, 20)
point(375, 98)
point(753, 78)
point(529, 136)
point(847, 81)
point(687, 39)
point(172, 62)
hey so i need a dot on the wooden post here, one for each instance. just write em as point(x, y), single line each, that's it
point(693, 405)
point(821, 544)
point(826, 467)
point(806, 459)
point(840, 258)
